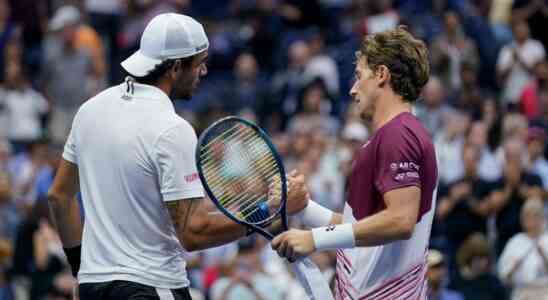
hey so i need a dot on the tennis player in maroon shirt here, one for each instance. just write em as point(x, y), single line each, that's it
point(381, 239)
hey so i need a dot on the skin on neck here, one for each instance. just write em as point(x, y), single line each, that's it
point(389, 106)
point(165, 85)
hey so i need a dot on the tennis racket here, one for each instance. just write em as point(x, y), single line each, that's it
point(244, 176)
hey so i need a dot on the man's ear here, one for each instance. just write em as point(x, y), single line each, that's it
point(382, 74)
point(177, 66)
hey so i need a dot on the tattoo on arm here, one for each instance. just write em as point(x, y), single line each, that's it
point(181, 212)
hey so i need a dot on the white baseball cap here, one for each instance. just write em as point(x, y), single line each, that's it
point(65, 15)
point(167, 36)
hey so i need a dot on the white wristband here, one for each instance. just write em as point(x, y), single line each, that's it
point(334, 237)
point(315, 215)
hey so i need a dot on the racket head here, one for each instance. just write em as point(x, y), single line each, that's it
point(242, 173)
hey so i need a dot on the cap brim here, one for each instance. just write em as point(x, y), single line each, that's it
point(140, 65)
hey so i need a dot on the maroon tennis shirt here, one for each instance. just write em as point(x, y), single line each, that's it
point(399, 154)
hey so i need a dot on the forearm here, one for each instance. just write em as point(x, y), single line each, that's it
point(445, 207)
point(40, 252)
point(314, 215)
point(65, 214)
point(382, 228)
point(215, 229)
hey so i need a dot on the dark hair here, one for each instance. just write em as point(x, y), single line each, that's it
point(160, 70)
point(405, 56)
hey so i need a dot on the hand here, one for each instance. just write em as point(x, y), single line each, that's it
point(460, 190)
point(297, 193)
point(294, 244)
point(243, 278)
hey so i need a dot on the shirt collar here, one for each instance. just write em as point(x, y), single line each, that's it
point(134, 90)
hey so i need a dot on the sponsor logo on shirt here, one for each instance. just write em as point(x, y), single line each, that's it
point(405, 170)
point(191, 177)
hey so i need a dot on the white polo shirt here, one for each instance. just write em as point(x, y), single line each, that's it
point(133, 154)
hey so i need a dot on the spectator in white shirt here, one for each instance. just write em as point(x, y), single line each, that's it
point(449, 143)
point(24, 108)
point(536, 163)
point(516, 60)
point(524, 261)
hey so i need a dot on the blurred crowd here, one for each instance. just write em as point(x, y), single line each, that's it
point(288, 65)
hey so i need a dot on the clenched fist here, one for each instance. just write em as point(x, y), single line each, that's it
point(297, 192)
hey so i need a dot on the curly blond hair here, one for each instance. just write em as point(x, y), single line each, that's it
point(405, 56)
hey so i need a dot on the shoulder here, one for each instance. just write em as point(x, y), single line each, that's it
point(403, 130)
point(177, 129)
point(519, 239)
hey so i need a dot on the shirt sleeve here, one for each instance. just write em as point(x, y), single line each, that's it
point(399, 161)
point(41, 103)
point(70, 151)
point(177, 173)
point(505, 59)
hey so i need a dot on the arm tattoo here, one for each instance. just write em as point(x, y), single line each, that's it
point(179, 216)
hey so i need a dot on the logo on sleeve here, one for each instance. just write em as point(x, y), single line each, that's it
point(191, 177)
point(405, 170)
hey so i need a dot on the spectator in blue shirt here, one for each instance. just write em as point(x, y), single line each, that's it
point(437, 273)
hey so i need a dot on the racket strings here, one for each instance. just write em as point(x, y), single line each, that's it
point(239, 147)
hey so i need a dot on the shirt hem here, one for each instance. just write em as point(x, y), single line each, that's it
point(107, 278)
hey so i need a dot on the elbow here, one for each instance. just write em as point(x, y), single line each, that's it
point(193, 236)
point(190, 245)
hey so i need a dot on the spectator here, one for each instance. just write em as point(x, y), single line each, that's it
point(24, 170)
point(514, 125)
point(8, 31)
point(287, 84)
point(314, 115)
point(489, 168)
point(450, 50)
point(542, 120)
point(24, 108)
point(67, 74)
point(474, 279)
point(534, 12)
point(384, 17)
point(105, 17)
point(448, 143)
point(302, 14)
point(6, 291)
point(85, 38)
point(5, 155)
point(432, 110)
point(506, 201)
point(462, 208)
point(247, 90)
point(244, 278)
point(32, 16)
point(536, 162)
point(437, 274)
point(470, 96)
point(321, 65)
point(49, 260)
point(529, 100)
point(516, 60)
point(8, 211)
point(523, 264)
